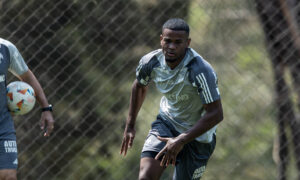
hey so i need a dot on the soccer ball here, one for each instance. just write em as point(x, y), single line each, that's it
point(20, 97)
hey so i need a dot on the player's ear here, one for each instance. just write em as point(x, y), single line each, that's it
point(161, 38)
point(189, 41)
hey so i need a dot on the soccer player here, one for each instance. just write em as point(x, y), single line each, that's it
point(184, 133)
point(11, 60)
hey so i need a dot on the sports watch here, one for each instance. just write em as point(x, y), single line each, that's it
point(49, 108)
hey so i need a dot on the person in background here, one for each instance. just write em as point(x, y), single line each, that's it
point(11, 60)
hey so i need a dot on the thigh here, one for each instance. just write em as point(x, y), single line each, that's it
point(152, 143)
point(150, 169)
point(10, 174)
point(193, 159)
point(190, 170)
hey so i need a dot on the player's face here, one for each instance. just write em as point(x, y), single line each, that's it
point(174, 44)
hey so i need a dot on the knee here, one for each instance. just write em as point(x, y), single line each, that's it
point(143, 176)
point(144, 179)
point(150, 169)
point(146, 176)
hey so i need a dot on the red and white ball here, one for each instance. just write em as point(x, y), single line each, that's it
point(20, 97)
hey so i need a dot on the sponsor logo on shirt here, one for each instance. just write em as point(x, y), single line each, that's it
point(179, 98)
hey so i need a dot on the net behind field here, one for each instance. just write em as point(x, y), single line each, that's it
point(84, 53)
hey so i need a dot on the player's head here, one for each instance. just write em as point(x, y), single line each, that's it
point(175, 39)
point(176, 24)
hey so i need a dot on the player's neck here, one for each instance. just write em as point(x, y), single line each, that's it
point(174, 64)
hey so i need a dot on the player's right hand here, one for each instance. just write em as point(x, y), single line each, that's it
point(127, 141)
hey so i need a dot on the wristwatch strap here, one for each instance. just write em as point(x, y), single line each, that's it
point(49, 108)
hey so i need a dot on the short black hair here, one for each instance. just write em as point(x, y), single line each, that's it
point(176, 24)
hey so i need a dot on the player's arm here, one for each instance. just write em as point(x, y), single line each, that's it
point(47, 118)
point(30, 78)
point(138, 94)
point(19, 68)
point(206, 81)
point(213, 116)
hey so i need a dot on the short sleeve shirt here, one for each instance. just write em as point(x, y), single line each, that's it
point(10, 60)
point(185, 88)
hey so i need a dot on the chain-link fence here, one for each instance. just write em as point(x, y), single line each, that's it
point(84, 54)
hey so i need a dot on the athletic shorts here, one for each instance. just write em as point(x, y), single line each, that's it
point(8, 154)
point(190, 162)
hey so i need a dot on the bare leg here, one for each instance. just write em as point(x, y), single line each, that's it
point(150, 169)
point(8, 174)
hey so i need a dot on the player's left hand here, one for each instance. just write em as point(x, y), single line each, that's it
point(47, 122)
point(170, 151)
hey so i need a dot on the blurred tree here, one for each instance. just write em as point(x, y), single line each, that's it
point(280, 23)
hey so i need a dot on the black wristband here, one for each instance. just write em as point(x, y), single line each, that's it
point(49, 108)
